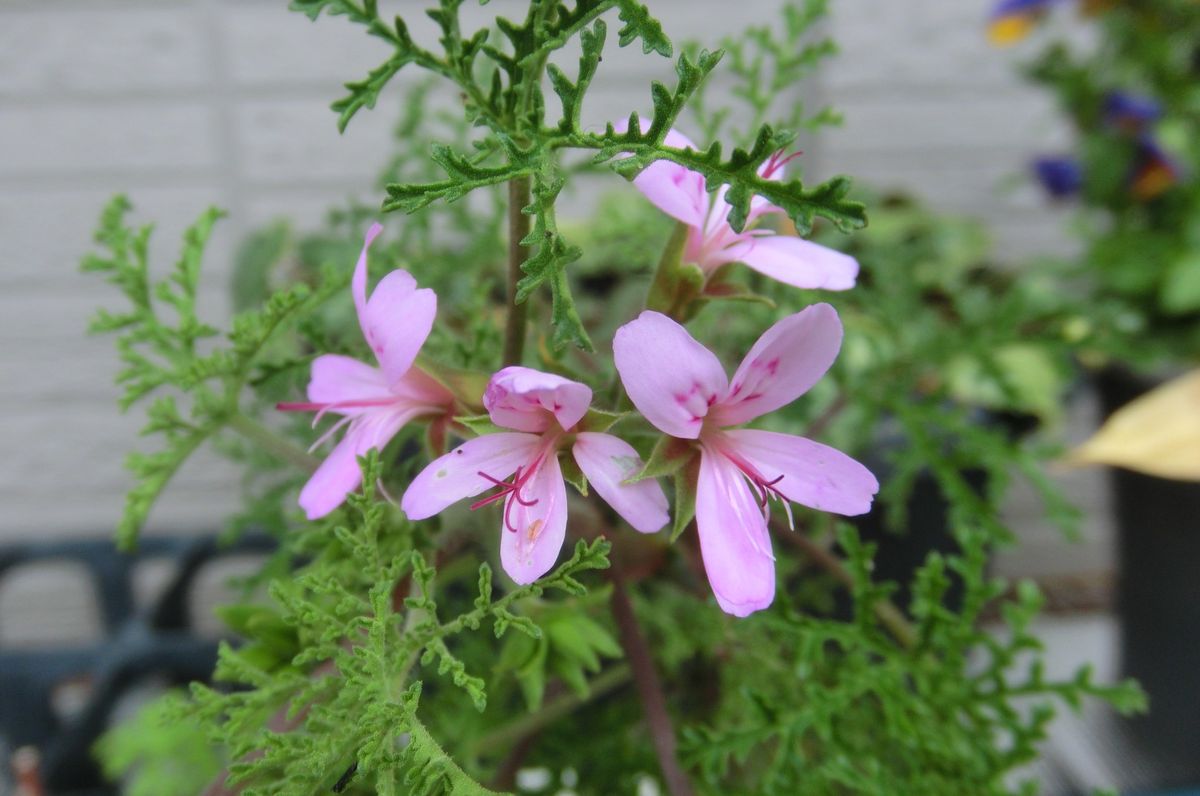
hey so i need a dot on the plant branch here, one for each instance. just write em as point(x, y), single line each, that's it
point(518, 229)
point(649, 686)
point(886, 611)
point(273, 443)
point(511, 733)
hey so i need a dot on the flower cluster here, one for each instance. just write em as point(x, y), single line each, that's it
point(673, 381)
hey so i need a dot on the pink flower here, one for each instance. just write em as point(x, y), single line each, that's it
point(374, 403)
point(712, 243)
point(543, 411)
point(680, 387)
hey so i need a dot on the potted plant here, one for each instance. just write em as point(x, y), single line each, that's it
point(546, 543)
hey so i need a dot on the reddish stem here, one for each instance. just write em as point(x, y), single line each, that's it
point(649, 686)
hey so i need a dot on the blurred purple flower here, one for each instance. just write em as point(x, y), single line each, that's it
point(1154, 172)
point(1131, 113)
point(1060, 176)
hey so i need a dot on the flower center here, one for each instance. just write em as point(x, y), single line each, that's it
point(764, 488)
point(511, 489)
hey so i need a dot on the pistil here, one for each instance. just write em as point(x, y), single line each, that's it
point(509, 489)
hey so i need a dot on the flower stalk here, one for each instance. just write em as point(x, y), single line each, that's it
point(518, 229)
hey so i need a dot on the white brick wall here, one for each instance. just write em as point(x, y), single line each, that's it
point(185, 103)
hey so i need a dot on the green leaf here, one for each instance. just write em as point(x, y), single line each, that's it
point(639, 24)
point(670, 455)
point(548, 263)
point(573, 475)
point(685, 497)
point(480, 424)
point(463, 176)
point(571, 94)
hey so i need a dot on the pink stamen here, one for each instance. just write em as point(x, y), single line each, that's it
point(764, 489)
point(328, 433)
point(509, 489)
point(776, 162)
point(332, 406)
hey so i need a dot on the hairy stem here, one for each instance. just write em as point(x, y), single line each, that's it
point(886, 611)
point(649, 686)
point(518, 228)
point(273, 443)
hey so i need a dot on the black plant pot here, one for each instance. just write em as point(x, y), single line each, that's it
point(1158, 597)
point(926, 530)
point(926, 520)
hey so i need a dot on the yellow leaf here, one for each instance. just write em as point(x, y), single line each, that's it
point(1157, 434)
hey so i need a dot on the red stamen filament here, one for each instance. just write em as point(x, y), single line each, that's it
point(764, 490)
point(507, 489)
point(776, 163)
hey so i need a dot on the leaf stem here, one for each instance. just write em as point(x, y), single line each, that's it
point(649, 686)
point(273, 443)
point(518, 229)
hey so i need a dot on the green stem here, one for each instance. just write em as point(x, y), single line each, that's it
point(518, 228)
point(505, 736)
point(273, 443)
point(461, 783)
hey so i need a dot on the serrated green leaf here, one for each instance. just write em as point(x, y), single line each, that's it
point(639, 24)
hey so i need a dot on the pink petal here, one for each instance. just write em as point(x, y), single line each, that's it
point(673, 189)
point(718, 217)
point(531, 550)
point(607, 461)
point(455, 476)
point(340, 474)
point(787, 360)
point(671, 379)
point(418, 387)
point(814, 475)
point(397, 317)
point(527, 400)
point(337, 379)
point(734, 542)
point(796, 262)
point(358, 282)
